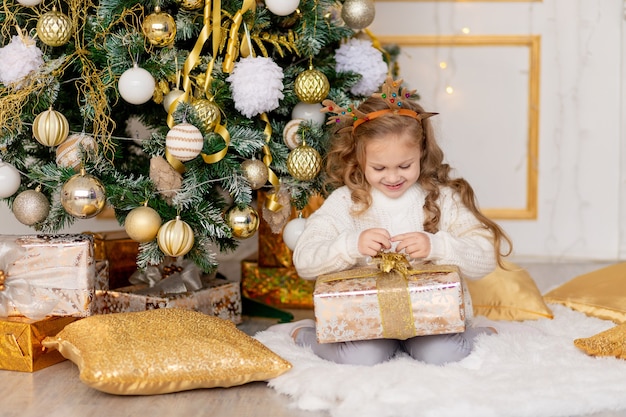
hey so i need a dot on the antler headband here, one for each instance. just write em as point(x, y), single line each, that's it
point(392, 93)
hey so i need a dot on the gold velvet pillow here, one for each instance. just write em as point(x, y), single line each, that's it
point(508, 294)
point(163, 350)
point(611, 342)
point(600, 293)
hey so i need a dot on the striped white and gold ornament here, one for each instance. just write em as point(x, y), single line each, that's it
point(50, 128)
point(184, 141)
point(175, 238)
point(290, 133)
point(70, 152)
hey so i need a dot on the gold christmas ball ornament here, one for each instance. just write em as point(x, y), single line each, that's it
point(244, 222)
point(208, 112)
point(175, 238)
point(184, 141)
point(304, 162)
point(311, 86)
point(191, 4)
point(159, 28)
point(142, 224)
point(50, 128)
point(71, 152)
point(358, 14)
point(54, 28)
point(256, 172)
point(31, 207)
point(83, 196)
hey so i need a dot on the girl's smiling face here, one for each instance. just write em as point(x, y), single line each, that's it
point(392, 164)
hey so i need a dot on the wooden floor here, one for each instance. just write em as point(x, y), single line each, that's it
point(57, 392)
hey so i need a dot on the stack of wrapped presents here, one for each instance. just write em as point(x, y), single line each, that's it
point(49, 281)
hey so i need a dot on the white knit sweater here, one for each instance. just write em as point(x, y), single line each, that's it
point(329, 242)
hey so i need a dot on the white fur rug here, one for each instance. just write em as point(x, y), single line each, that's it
point(529, 369)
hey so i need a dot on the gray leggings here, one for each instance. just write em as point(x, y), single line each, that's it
point(435, 349)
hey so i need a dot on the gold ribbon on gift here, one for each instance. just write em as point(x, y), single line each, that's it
point(393, 273)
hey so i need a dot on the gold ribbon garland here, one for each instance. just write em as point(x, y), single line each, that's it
point(271, 201)
point(231, 50)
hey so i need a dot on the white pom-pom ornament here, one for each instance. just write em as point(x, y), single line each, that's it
point(256, 84)
point(292, 231)
point(310, 112)
point(136, 85)
point(10, 180)
point(184, 141)
point(23, 50)
point(360, 56)
point(282, 7)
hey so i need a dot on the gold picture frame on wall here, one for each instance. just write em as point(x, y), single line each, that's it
point(533, 43)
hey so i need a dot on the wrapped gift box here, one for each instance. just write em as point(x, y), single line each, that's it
point(365, 303)
point(47, 275)
point(20, 344)
point(278, 287)
point(218, 297)
point(121, 253)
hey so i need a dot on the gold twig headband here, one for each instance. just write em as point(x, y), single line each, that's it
point(392, 93)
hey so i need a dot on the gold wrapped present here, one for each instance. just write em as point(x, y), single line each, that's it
point(180, 286)
point(20, 344)
point(372, 303)
point(46, 275)
point(121, 252)
point(278, 287)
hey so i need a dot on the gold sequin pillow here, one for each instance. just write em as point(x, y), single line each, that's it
point(164, 350)
point(508, 294)
point(601, 293)
point(611, 342)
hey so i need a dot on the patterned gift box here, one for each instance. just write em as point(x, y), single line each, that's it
point(20, 344)
point(120, 251)
point(365, 303)
point(47, 275)
point(278, 287)
point(218, 297)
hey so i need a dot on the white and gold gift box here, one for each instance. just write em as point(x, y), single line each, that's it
point(218, 297)
point(366, 303)
point(47, 275)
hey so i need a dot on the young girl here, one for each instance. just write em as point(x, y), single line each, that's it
point(393, 192)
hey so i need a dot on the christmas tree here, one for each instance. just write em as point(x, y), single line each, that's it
point(229, 92)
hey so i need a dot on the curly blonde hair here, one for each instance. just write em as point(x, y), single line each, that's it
point(346, 158)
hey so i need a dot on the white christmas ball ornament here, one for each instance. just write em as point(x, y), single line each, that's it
point(136, 85)
point(292, 231)
point(310, 112)
point(184, 141)
point(29, 3)
point(282, 7)
point(10, 180)
point(170, 97)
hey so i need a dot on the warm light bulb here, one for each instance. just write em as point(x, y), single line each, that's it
point(443, 65)
point(449, 89)
point(465, 30)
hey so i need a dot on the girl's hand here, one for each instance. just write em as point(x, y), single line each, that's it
point(415, 244)
point(372, 241)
